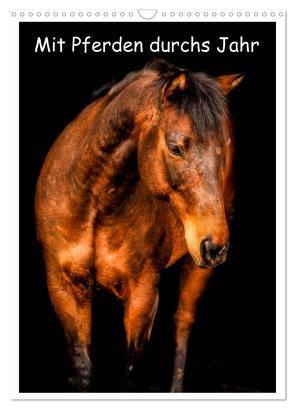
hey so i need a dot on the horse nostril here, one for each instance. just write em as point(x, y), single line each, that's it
point(211, 252)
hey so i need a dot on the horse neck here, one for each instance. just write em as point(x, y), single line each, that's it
point(107, 165)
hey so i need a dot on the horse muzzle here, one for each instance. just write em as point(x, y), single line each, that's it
point(213, 255)
point(207, 250)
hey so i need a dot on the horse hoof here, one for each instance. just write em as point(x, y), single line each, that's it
point(80, 383)
point(176, 387)
point(130, 385)
point(129, 388)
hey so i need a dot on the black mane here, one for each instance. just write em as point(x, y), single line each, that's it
point(103, 90)
point(202, 99)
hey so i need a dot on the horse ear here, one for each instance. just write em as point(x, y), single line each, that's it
point(229, 82)
point(177, 83)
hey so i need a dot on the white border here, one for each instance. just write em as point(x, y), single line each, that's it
point(107, 15)
point(179, 15)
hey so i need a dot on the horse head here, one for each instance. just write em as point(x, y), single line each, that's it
point(185, 158)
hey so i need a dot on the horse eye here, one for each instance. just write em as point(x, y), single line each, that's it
point(175, 150)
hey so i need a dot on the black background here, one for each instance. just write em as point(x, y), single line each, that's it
point(232, 346)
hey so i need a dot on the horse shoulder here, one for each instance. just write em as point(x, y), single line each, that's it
point(64, 217)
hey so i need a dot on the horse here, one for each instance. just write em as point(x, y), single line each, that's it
point(141, 179)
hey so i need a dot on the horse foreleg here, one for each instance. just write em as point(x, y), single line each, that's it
point(192, 284)
point(139, 313)
point(71, 298)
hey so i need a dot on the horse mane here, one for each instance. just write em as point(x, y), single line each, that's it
point(202, 99)
point(113, 88)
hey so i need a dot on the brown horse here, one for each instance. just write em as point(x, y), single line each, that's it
point(140, 179)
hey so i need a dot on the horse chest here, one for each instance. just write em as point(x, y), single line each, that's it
point(124, 250)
